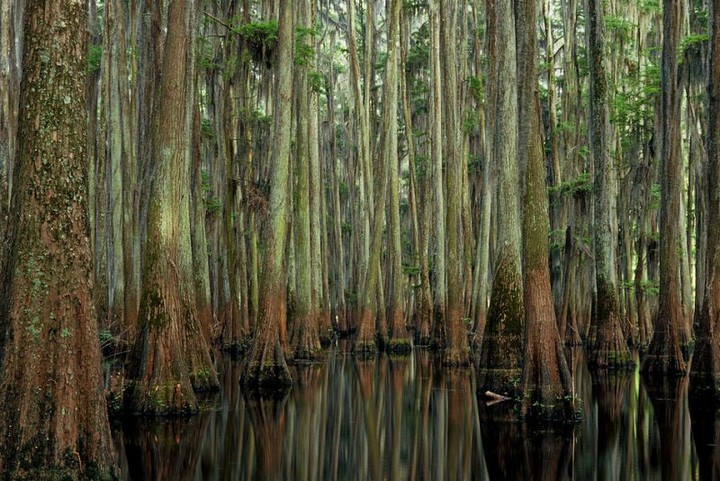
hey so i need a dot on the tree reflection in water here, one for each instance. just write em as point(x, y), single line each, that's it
point(406, 418)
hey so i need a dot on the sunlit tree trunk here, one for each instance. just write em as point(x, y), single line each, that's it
point(54, 410)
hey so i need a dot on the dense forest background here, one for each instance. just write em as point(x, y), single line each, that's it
point(492, 179)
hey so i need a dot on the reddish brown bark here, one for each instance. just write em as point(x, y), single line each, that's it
point(705, 371)
point(267, 367)
point(54, 413)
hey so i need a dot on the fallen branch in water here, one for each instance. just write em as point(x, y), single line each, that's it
point(494, 398)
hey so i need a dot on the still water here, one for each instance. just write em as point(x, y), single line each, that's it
point(407, 419)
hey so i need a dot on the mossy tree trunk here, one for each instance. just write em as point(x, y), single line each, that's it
point(609, 349)
point(546, 380)
point(399, 335)
point(501, 351)
point(665, 355)
point(171, 357)
point(423, 294)
point(438, 333)
point(304, 320)
point(118, 149)
point(705, 371)
point(54, 422)
point(457, 348)
point(267, 366)
point(361, 108)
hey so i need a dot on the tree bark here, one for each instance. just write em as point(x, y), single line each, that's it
point(55, 416)
point(546, 381)
point(171, 357)
point(665, 355)
point(705, 372)
point(501, 351)
point(267, 367)
point(609, 349)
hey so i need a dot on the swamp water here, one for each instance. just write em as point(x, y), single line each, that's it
point(409, 419)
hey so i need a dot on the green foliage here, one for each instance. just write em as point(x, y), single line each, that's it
point(212, 204)
point(418, 56)
point(94, 58)
point(317, 82)
point(581, 185)
point(261, 38)
point(344, 190)
point(304, 49)
point(556, 237)
point(471, 121)
point(415, 7)
point(650, 287)
point(619, 26)
point(693, 41)
point(206, 129)
point(650, 6)
point(106, 337)
point(409, 270)
point(476, 88)
point(655, 196)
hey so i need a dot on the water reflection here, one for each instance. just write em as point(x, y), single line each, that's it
point(407, 419)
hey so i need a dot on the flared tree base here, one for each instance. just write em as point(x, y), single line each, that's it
point(559, 410)
point(170, 398)
point(609, 358)
point(460, 357)
point(68, 468)
point(266, 376)
point(664, 365)
point(364, 348)
point(307, 354)
point(399, 346)
point(705, 374)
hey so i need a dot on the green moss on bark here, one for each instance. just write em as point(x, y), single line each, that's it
point(399, 346)
point(501, 352)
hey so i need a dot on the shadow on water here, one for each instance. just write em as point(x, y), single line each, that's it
point(407, 418)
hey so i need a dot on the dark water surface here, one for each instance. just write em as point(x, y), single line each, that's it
point(407, 418)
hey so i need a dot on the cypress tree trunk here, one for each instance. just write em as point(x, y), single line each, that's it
point(304, 326)
point(546, 380)
point(457, 349)
point(501, 351)
point(439, 329)
point(267, 366)
point(705, 371)
point(609, 349)
point(664, 353)
point(54, 419)
point(399, 335)
point(171, 357)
